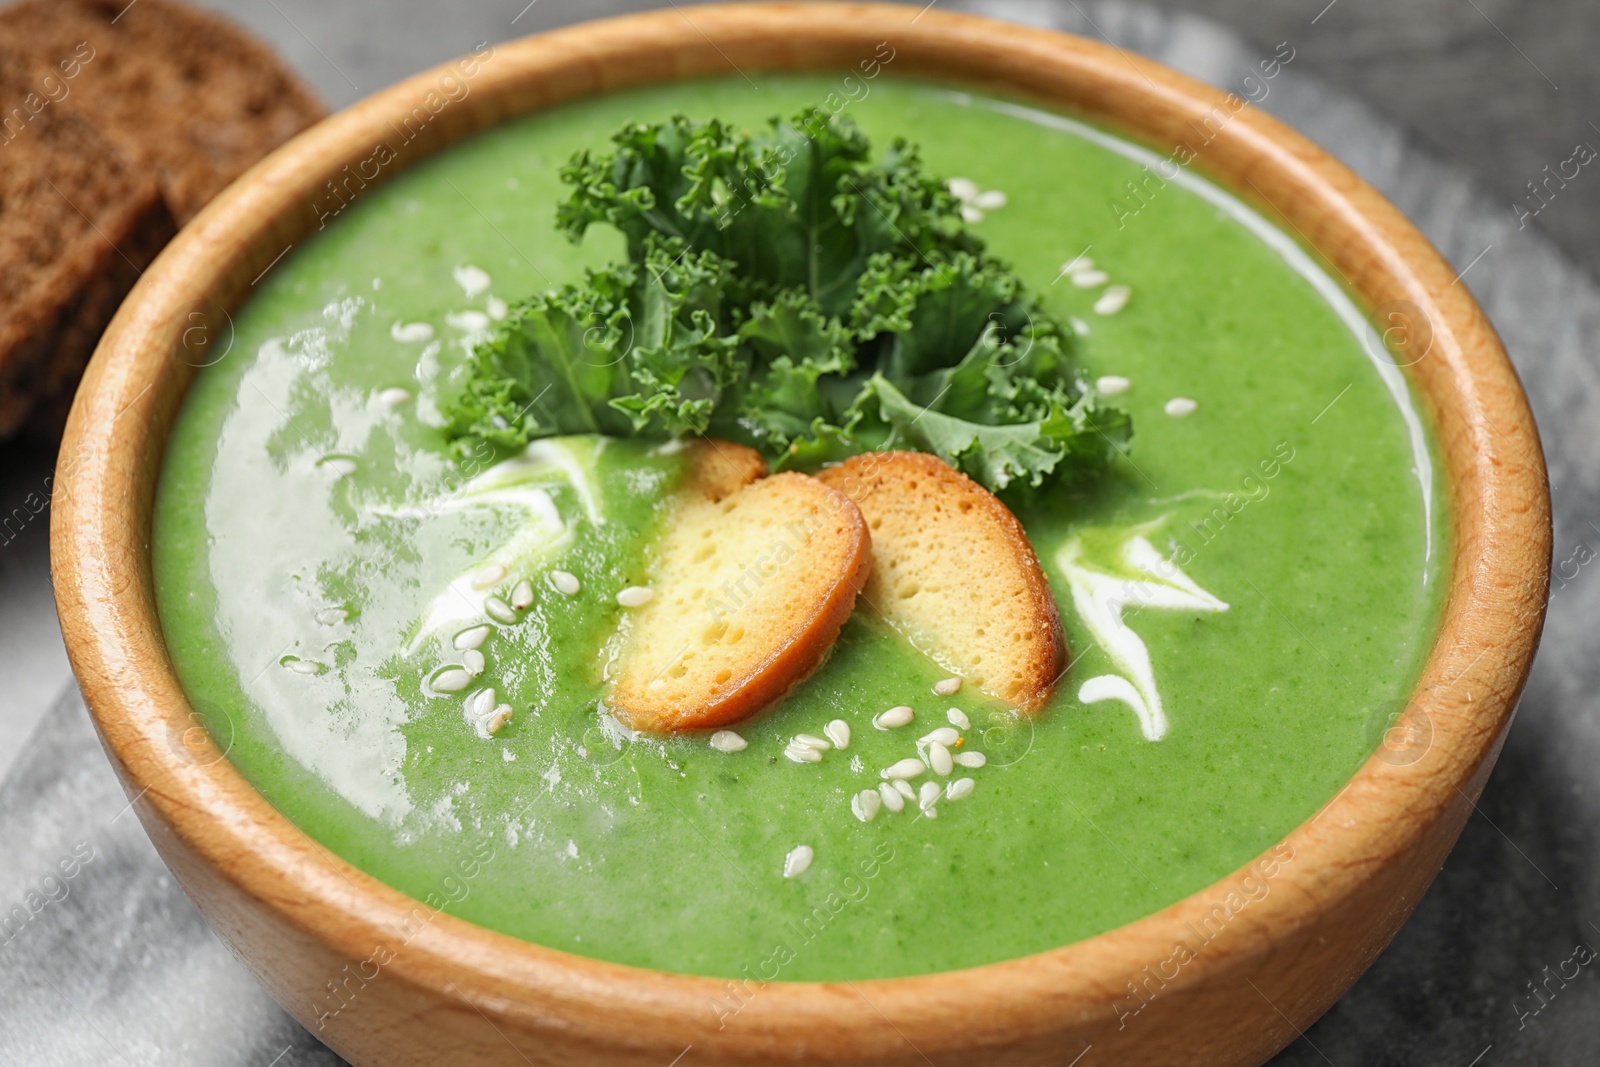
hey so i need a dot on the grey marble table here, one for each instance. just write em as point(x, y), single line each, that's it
point(111, 964)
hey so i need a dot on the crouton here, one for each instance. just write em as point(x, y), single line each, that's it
point(953, 571)
point(752, 580)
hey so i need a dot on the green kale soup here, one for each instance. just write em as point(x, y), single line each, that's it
point(398, 632)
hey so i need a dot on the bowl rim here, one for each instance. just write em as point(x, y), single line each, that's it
point(1488, 452)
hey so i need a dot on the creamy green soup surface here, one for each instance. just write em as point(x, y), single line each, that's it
point(1274, 554)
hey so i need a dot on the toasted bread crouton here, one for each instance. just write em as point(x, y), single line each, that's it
point(953, 571)
point(719, 468)
point(751, 587)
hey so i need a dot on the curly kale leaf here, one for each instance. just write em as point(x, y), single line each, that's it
point(785, 289)
point(637, 349)
point(955, 358)
point(796, 206)
point(1060, 441)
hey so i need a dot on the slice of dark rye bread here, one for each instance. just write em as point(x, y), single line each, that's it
point(79, 221)
point(953, 570)
point(117, 123)
point(191, 95)
point(752, 579)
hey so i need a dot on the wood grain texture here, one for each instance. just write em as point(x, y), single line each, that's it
point(1336, 889)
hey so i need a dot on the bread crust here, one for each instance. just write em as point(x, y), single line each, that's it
point(718, 468)
point(903, 494)
point(786, 653)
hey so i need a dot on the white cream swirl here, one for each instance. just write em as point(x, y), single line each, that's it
point(1149, 580)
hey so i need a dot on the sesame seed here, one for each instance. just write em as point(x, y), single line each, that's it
point(909, 767)
point(990, 200)
point(930, 812)
point(728, 741)
point(480, 705)
point(866, 803)
point(305, 666)
point(495, 307)
point(471, 638)
point(499, 610)
point(487, 576)
point(939, 759)
point(635, 596)
point(393, 397)
point(944, 735)
point(452, 680)
point(797, 861)
point(522, 595)
point(566, 584)
point(1077, 265)
point(470, 321)
point(962, 188)
point(1079, 327)
point(958, 719)
point(904, 788)
point(332, 616)
point(947, 688)
point(1113, 300)
point(498, 718)
point(802, 754)
point(928, 795)
point(961, 787)
point(1088, 279)
point(473, 661)
point(339, 466)
point(894, 717)
point(838, 732)
point(971, 214)
point(821, 744)
point(891, 798)
point(1112, 385)
point(411, 332)
point(473, 280)
point(971, 759)
point(1179, 406)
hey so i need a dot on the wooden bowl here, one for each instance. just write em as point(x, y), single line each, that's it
point(418, 985)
